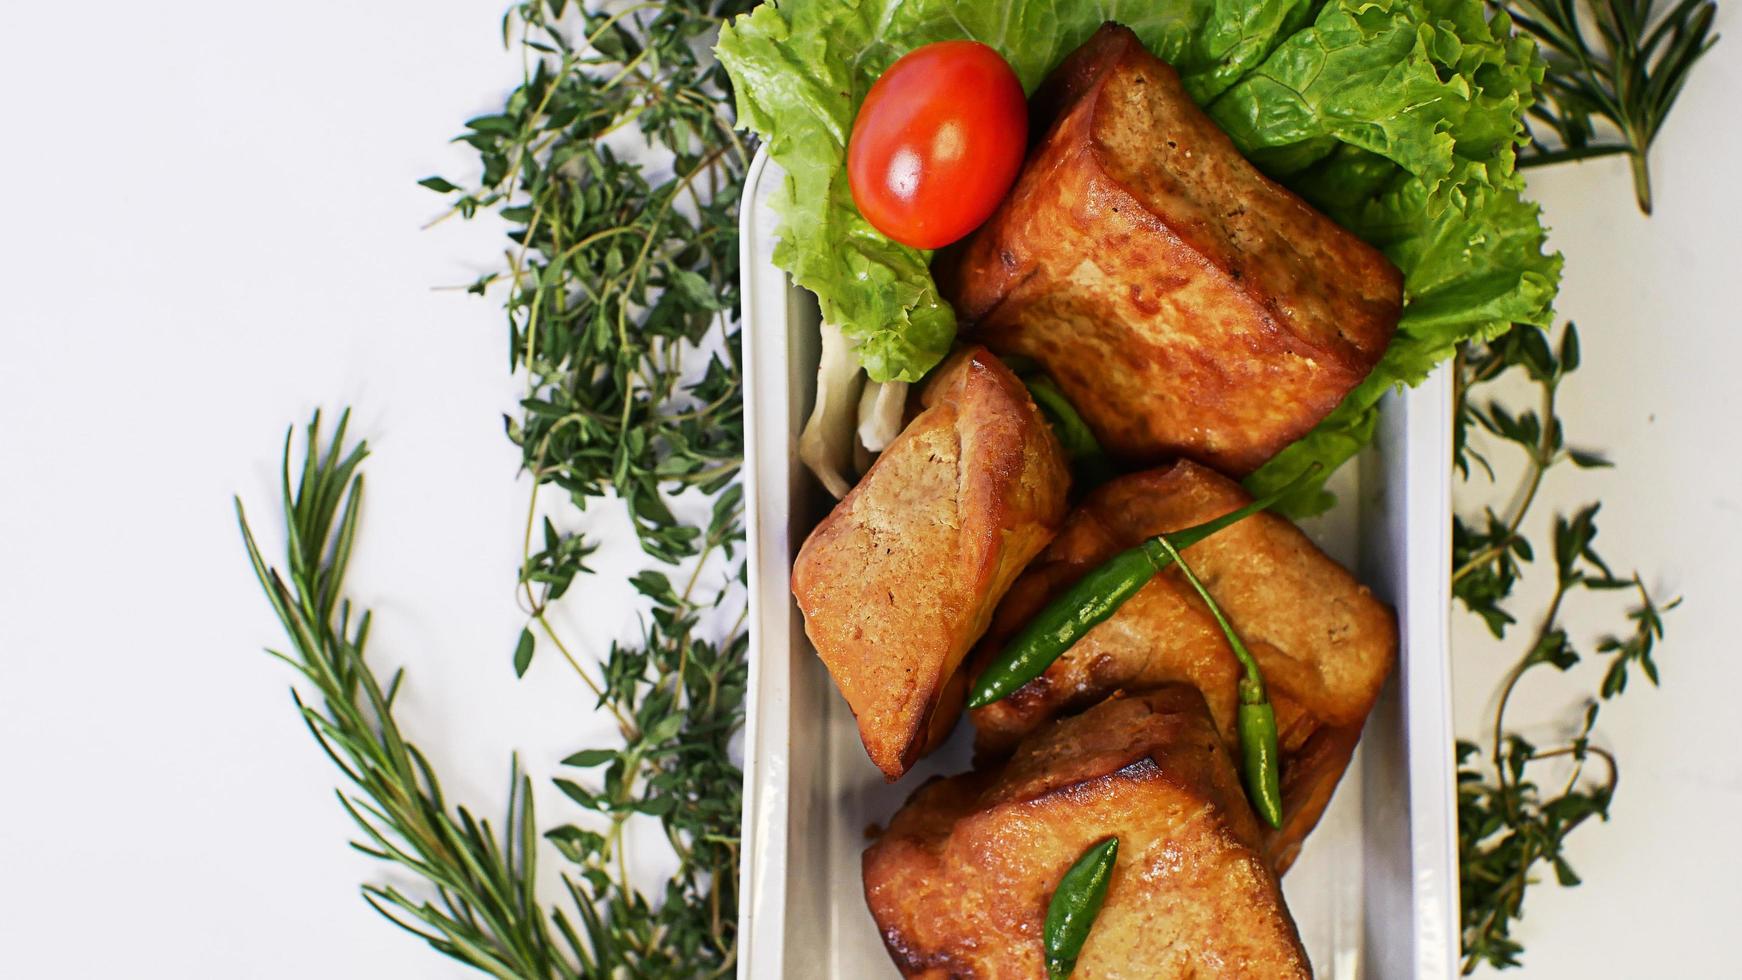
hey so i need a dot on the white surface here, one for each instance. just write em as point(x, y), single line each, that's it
point(210, 227)
point(1374, 890)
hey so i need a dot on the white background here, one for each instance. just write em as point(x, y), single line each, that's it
point(210, 227)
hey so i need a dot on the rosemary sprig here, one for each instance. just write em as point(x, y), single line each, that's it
point(1508, 824)
point(1624, 66)
point(482, 910)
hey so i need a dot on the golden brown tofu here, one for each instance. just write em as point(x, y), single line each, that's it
point(1187, 305)
point(901, 578)
point(1324, 643)
point(959, 883)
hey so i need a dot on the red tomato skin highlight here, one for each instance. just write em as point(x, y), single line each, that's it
point(937, 143)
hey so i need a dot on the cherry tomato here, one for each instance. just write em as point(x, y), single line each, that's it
point(937, 143)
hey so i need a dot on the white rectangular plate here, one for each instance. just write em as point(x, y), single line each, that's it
point(1375, 889)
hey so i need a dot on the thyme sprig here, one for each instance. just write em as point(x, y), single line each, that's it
point(1508, 824)
point(1618, 62)
point(621, 291)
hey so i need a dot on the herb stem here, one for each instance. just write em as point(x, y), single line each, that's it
point(1516, 674)
point(1641, 179)
point(1573, 154)
point(1540, 459)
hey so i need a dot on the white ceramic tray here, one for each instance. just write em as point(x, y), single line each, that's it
point(1375, 889)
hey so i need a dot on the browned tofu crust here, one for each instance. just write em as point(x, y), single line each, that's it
point(901, 578)
point(1324, 643)
point(959, 883)
point(1188, 305)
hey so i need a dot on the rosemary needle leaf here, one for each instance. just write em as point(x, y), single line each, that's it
point(1621, 63)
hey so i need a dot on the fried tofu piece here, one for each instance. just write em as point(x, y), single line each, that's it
point(902, 577)
point(1323, 642)
point(959, 883)
point(1187, 305)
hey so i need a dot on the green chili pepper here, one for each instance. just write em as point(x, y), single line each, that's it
point(1256, 719)
point(1089, 462)
point(1075, 903)
point(1094, 598)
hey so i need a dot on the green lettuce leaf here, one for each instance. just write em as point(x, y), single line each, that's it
point(1398, 118)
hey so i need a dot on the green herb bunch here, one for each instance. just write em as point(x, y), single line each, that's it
point(621, 292)
point(1621, 63)
point(1508, 824)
